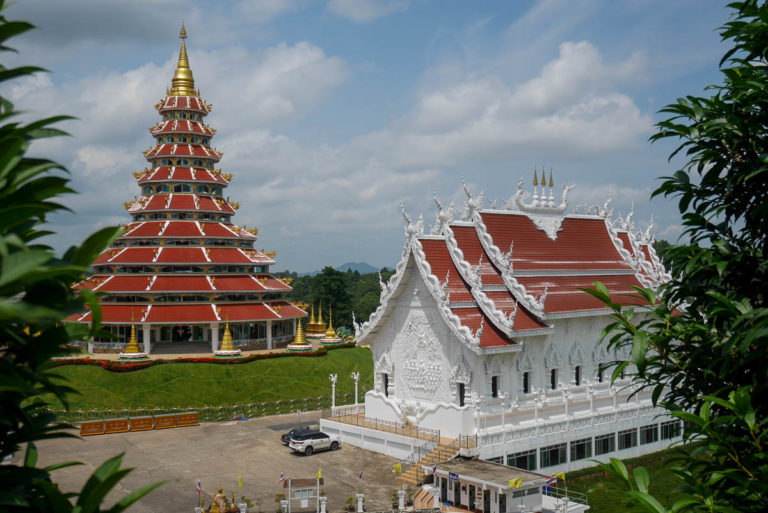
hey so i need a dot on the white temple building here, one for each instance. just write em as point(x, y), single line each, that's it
point(484, 337)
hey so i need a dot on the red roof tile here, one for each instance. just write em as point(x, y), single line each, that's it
point(182, 229)
point(181, 283)
point(181, 255)
point(563, 294)
point(173, 314)
point(469, 244)
point(440, 261)
point(581, 244)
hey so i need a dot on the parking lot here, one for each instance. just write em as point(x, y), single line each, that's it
point(215, 453)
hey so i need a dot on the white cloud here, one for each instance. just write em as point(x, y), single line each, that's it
point(363, 11)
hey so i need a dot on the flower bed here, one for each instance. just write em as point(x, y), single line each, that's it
point(128, 366)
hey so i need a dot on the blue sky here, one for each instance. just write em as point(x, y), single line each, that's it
point(329, 113)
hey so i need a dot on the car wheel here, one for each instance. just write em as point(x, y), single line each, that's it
point(334, 446)
point(309, 450)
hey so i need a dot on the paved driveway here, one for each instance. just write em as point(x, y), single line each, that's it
point(215, 453)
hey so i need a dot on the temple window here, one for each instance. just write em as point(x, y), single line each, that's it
point(182, 187)
point(494, 386)
point(205, 140)
point(202, 189)
point(182, 115)
point(162, 187)
point(195, 140)
point(600, 374)
point(577, 375)
point(160, 140)
point(197, 162)
point(462, 394)
point(138, 217)
point(224, 218)
point(182, 162)
point(169, 138)
point(147, 189)
point(166, 162)
point(182, 138)
point(385, 384)
point(218, 191)
point(165, 116)
point(553, 379)
point(526, 382)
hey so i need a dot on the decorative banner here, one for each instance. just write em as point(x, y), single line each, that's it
point(516, 482)
point(397, 468)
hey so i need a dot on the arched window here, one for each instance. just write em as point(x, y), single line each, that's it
point(147, 189)
point(162, 187)
point(182, 187)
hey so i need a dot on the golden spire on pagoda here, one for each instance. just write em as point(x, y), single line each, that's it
point(320, 315)
point(299, 340)
point(312, 315)
point(535, 179)
point(133, 344)
point(331, 333)
point(226, 340)
point(183, 84)
point(551, 182)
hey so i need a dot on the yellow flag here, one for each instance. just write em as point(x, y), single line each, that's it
point(397, 468)
point(319, 473)
point(239, 479)
point(516, 482)
point(560, 475)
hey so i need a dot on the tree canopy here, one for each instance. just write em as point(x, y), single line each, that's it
point(701, 345)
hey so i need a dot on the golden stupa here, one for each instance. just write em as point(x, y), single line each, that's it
point(316, 328)
point(133, 344)
point(330, 335)
point(299, 343)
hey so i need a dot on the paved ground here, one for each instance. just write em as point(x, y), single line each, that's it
point(215, 453)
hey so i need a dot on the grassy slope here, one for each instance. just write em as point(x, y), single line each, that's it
point(188, 385)
point(607, 495)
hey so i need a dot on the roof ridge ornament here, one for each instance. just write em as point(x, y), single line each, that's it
point(473, 205)
point(443, 217)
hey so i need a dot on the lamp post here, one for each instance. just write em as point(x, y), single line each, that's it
point(333, 378)
point(356, 377)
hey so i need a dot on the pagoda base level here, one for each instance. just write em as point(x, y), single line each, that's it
point(315, 335)
point(299, 348)
point(331, 341)
point(133, 356)
point(227, 354)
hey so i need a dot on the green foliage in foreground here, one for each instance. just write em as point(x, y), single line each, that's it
point(702, 345)
point(192, 385)
point(606, 492)
point(35, 296)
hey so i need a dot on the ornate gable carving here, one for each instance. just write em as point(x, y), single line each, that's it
point(600, 353)
point(493, 366)
point(384, 364)
point(552, 358)
point(462, 373)
point(524, 362)
point(576, 356)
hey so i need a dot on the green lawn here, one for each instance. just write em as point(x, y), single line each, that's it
point(193, 385)
point(607, 495)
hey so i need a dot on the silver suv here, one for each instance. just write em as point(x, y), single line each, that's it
point(309, 441)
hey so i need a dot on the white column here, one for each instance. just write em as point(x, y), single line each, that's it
point(333, 378)
point(269, 334)
point(214, 337)
point(360, 497)
point(323, 500)
point(356, 377)
point(401, 500)
point(147, 331)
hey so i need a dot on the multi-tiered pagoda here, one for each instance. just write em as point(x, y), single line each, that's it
point(182, 271)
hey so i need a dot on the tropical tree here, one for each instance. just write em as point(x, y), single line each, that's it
point(36, 295)
point(701, 346)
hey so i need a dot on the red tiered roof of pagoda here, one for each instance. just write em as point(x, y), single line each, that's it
point(181, 244)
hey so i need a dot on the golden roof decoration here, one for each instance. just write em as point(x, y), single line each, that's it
point(551, 182)
point(276, 308)
point(262, 279)
point(287, 280)
point(270, 254)
point(300, 304)
point(535, 177)
point(183, 83)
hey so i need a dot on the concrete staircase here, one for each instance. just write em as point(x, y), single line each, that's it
point(414, 475)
